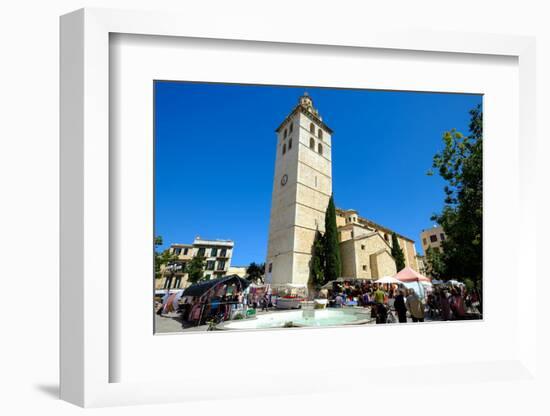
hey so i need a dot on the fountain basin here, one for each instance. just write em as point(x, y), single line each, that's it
point(321, 318)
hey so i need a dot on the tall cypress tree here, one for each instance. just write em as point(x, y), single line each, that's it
point(333, 264)
point(318, 261)
point(397, 253)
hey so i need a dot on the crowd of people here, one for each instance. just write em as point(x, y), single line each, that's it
point(392, 302)
point(388, 303)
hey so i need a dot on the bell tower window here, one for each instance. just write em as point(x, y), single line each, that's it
point(311, 143)
point(320, 134)
point(320, 148)
point(284, 149)
point(311, 128)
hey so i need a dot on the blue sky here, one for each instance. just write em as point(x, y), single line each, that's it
point(215, 151)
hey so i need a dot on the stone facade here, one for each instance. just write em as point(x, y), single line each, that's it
point(238, 270)
point(217, 262)
point(302, 186)
point(432, 238)
point(367, 256)
point(353, 227)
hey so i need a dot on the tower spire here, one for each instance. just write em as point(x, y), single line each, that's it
point(306, 103)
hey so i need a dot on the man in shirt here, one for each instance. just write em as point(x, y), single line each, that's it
point(379, 295)
point(415, 306)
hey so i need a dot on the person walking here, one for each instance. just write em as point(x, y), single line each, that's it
point(264, 302)
point(445, 305)
point(401, 307)
point(366, 299)
point(457, 305)
point(415, 306)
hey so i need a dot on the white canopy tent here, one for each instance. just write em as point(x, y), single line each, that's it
point(388, 280)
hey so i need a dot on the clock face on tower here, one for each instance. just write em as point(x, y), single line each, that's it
point(284, 180)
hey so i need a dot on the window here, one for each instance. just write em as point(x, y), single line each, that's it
point(364, 267)
point(284, 136)
point(223, 252)
point(311, 128)
point(442, 236)
point(320, 134)
point(177, 251)
point(386, 237)
point(284, 149)
point(270, 268)
point(221, 265)
point(210, 265)
point(214, 252)
point(290, 128)
point(362, 247)
point(311, 143)
point(289, 144)
point(186, 251)
point(424, 241)
point(201, 252)
point(351, 234)
point(320, 149)
point(433, 238)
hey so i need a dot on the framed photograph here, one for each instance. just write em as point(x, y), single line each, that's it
point(315, 264)
point(278, 205)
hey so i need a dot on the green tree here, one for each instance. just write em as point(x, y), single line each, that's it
point(195, 269)
point(255, 272)
point(161, 258)
point(333, 264)
point(460, 164)
point(158, 241)
point(317, 265)
point(435, 267)
point(397, 253)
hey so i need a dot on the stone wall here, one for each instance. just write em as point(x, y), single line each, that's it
point(383, 264)
point(347, 256)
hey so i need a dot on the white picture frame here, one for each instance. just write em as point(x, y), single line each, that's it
point(86, 351)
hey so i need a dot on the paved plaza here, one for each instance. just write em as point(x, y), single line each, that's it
point(171, 322)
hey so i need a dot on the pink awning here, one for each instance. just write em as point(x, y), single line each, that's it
point(410, 275)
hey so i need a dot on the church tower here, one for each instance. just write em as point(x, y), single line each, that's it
point(302, 186)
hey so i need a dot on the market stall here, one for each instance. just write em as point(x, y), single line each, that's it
point(414, 280)
point(216, 297)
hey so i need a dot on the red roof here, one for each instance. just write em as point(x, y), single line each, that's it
point(410, 275)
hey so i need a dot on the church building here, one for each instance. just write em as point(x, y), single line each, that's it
point(302, 186)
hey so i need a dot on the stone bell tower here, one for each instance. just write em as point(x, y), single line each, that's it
point(302, 186)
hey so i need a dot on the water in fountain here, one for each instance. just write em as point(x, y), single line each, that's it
point(308, 310)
